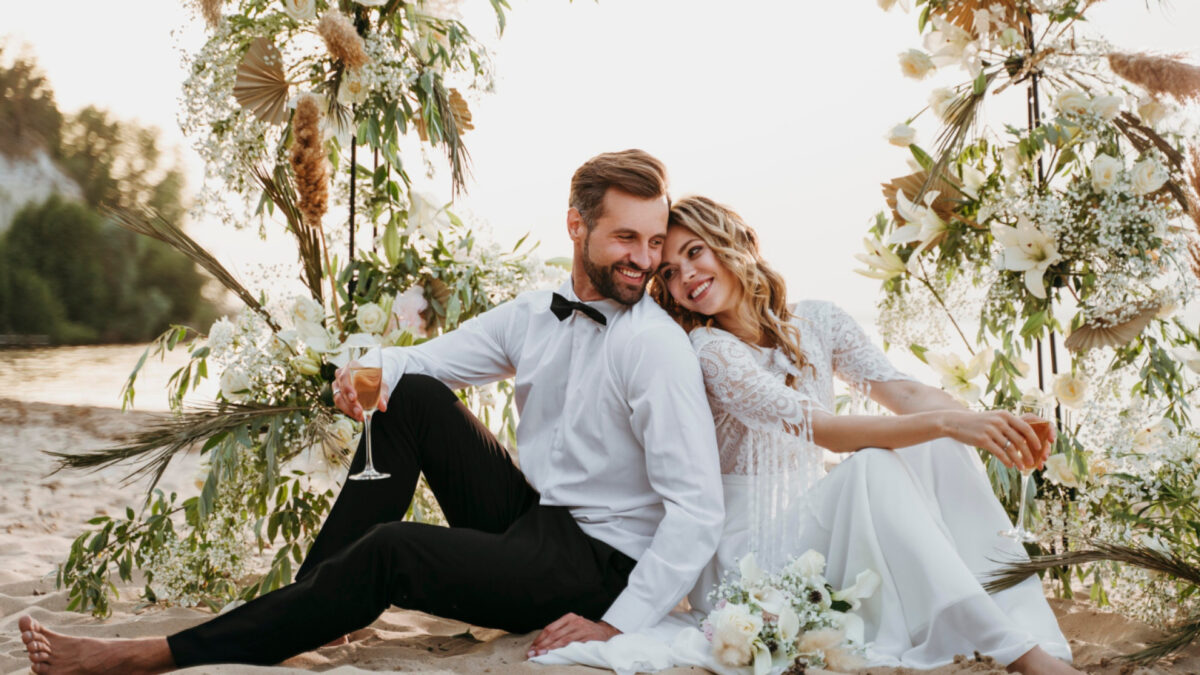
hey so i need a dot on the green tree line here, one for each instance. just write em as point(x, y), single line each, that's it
point(66, 271)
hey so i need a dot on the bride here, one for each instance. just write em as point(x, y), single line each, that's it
point(911, 503)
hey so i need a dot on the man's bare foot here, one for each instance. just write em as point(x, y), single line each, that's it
point(53, 653)
point(1038, 661)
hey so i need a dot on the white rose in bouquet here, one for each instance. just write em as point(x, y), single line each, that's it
point(301, 10)
point(1107, 107)
point(307, 310)
point(1147, 176)
point(1070, 390)
point(234, 383)
point(941, 100)
point(902, 135)
point(1105, 172)
point(735, 628)
point(810, 565)
point(1073, 102)
point(341, 435)
point(916, 64)
point(1059, 472)
point(371, 317)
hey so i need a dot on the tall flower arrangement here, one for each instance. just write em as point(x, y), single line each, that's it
point(1078, 221)
point(298, 108)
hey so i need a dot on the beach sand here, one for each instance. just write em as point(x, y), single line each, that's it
point(40, 514)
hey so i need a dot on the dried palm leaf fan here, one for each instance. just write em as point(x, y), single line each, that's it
point(961, 13)
point(912, 184)
point(1096, 334)
point(261, 86)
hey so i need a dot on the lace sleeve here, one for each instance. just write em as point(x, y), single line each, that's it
point(738, 385)
point(856, 360)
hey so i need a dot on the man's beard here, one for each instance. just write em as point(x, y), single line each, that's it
point(604, 279)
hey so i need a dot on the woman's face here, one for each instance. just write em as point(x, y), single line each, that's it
point(695, 277)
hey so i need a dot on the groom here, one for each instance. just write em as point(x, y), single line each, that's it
point(605, 526)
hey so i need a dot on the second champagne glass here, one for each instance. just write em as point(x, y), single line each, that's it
point(1020, 533)
point(367, 377)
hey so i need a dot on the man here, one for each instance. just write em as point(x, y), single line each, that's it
point(603, 529)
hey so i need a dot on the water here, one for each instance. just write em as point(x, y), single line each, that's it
point(90, 376)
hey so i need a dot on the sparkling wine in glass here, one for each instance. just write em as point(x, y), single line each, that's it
point(1020, 533)
point(367, 377)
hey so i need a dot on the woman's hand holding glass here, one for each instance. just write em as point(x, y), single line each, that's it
point(1010, 438)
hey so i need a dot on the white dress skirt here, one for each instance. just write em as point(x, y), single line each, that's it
point(923, 518)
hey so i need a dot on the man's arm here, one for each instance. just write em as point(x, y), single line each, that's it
point(479, 351)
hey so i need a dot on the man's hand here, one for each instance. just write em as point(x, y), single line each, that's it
point(570, 628)
point(346, 399)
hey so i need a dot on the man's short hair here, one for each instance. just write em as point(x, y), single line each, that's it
point(633, 171)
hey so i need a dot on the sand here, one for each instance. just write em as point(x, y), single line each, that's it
point(40, 514)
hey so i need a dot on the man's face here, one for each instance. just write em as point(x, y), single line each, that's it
point(618, 255)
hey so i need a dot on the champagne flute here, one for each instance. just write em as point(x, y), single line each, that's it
point(1020, 533)
point(366, 374)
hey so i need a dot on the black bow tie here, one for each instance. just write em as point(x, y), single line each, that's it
point(563, 307)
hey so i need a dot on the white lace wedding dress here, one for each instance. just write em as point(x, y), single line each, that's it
point(923, 517)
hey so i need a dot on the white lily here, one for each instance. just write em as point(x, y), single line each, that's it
point(864, 586)
point(881, 262)
point(751, 572)
point(1190, 357)
point(923, 224)
point(972, 181)
point(957, 376)
point(1027, 249)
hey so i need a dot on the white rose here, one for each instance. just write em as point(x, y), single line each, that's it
point(1058, 471)
point(342, 434)
point(1152, 112)
point(1105, 172)
point(902, 135)
point(916, 64)
point(307, 310)
point(371, 317)
point(1107, 107)
point(301, 10)
point(810, 565)
point(353, 88)
point(234, 383)
point(734, 631)
point(1070, 390)
point(1147, 176)
point(941, 100)
point(1073, 102)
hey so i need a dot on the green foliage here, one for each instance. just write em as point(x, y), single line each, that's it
point(76, 277)
point(29, 117)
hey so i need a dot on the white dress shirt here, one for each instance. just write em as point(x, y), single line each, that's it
point(614, 424)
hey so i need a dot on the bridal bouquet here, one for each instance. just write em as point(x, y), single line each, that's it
point(770, 621)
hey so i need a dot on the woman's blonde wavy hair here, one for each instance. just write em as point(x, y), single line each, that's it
point(764, 294)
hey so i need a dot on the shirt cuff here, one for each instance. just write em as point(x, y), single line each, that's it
point(628, 614)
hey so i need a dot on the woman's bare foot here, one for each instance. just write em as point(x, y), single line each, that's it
point(53, 653)
point(1037, 661)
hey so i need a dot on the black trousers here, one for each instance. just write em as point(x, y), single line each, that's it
point(505, 561)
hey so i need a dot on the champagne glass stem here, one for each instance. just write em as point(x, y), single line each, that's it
point(1020, 508)
point(370, 466)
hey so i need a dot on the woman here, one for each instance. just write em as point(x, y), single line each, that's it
point(922, 516)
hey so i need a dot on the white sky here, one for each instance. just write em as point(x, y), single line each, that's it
point(776, 108)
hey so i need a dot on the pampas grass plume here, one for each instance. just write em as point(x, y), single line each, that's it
point(1158, 75)
point(211, 11)
point(343, 42)
point(309, 163)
